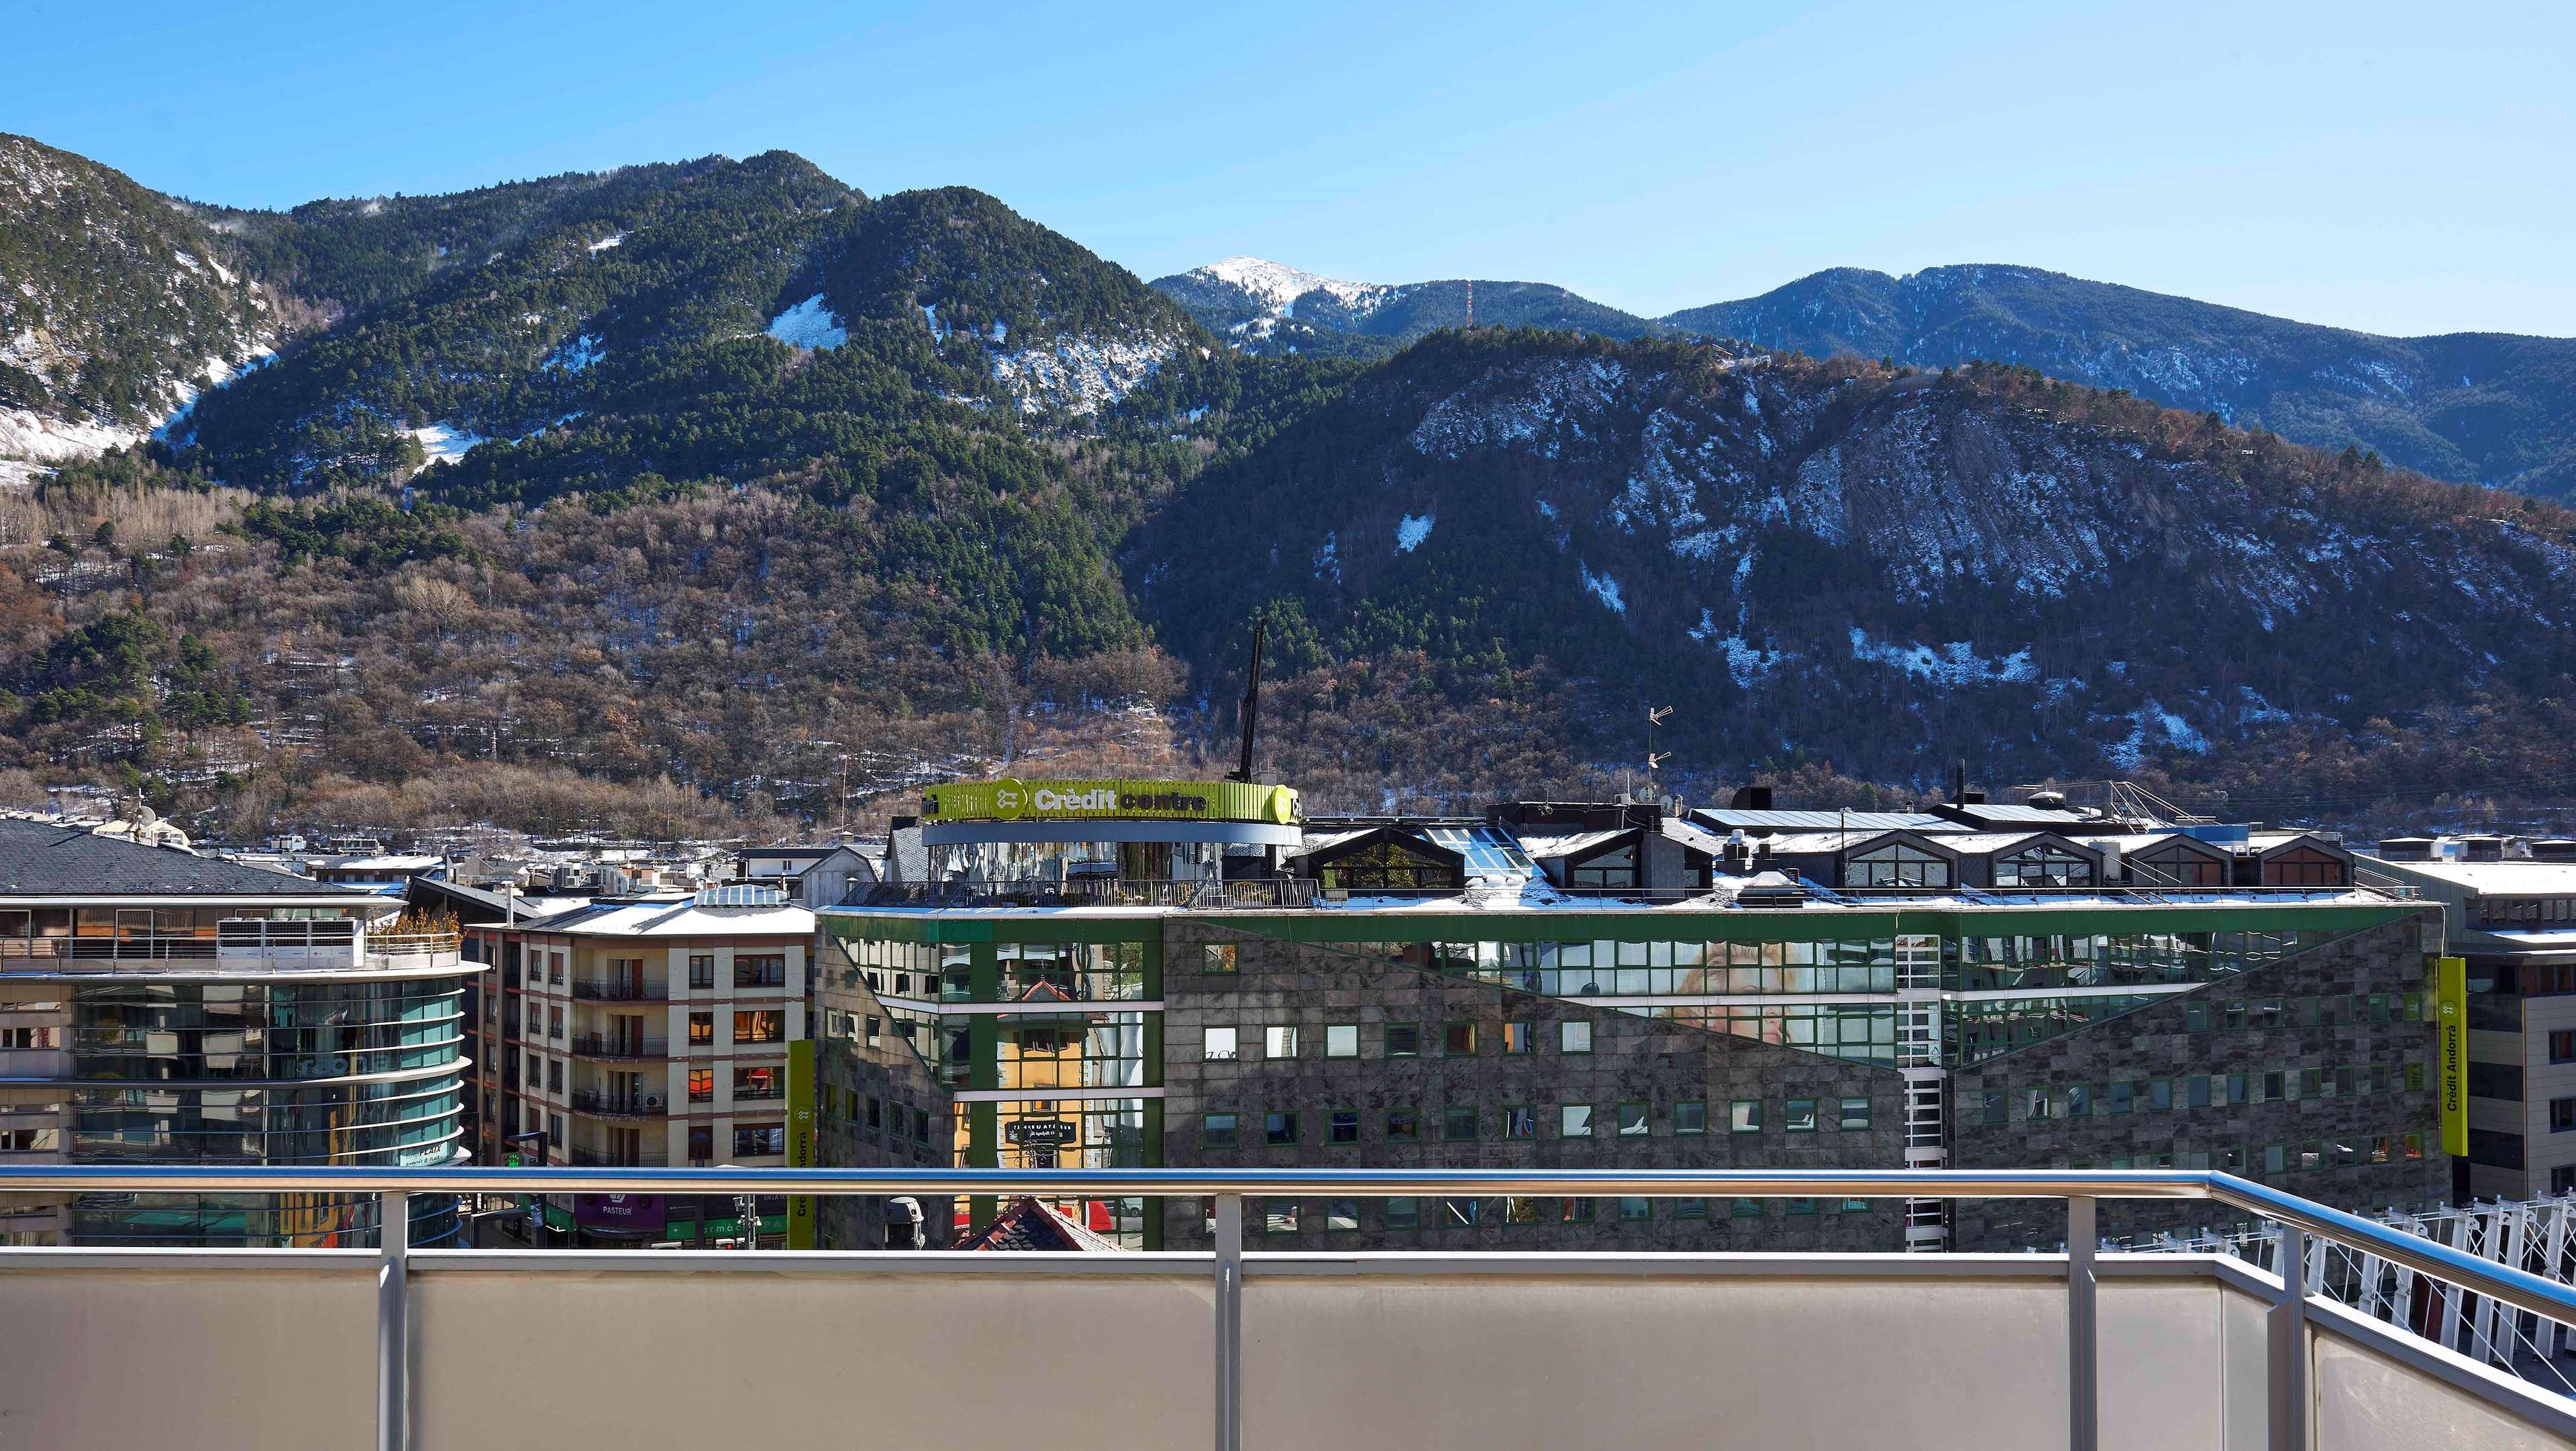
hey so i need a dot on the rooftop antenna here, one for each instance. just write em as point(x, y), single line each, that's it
point(1655, 715)
point(1251, 711)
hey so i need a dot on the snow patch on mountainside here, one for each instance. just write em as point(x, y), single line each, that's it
point(1081, 374)
point(1952, 665)
point(1411, 531)
point(808, 325)
point(1541, 408)
point(444, 442)
point(1603, 587)
point(1276, 286)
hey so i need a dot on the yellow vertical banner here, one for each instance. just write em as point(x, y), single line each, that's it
point(2451, 1048)
point(800, 1140)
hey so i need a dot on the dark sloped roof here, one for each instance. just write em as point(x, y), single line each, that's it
point(1028, 1225)
point(42, 859)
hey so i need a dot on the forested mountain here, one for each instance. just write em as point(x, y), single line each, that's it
point(691, 494)
point(116, 308)
point(1266, 308)
point(2487, 408)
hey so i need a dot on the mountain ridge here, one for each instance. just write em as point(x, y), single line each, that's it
point(726, 483)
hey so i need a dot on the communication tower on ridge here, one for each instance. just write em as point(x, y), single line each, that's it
point(1471, 302)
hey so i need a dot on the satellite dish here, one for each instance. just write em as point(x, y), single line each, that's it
point(144, 815)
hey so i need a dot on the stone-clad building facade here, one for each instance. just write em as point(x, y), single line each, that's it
point(1386, 1065)
point(2312, 1072)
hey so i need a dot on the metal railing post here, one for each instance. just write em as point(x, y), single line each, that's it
point(1229, 1322)
point(393, 1366)
point(2083, 1382)
point(2288, 1326)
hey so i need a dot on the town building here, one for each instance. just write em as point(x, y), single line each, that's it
point(2511, 913)
point(1185, 974)
point(658, 1029)
point(157, 1006)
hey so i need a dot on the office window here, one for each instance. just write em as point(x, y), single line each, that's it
point(1343, 1127)
point(554, 1075)
point(1341, 1216)
point(1279, 1042)
point(1403, 1125)
point(2160, 1094)
point(1690, 1209)
point(1574, 1037)
point(1458, 1040)
point(2562, 1045)
point(1278, 1216)
point(1279, 1129)
point(1690, 1116)
point(1896, 865)
point(1217, 957)
point(555, 1023)
point(762, 1082)
point(1996, 1108)
point(1635, 1120)
point(765, 969)
point(2562, 1180)
point(1404, 1214)
point(1217, 1045)
point(1744, 1116)
point(702, 1029)
point(1520, 1123)
point(1521, 1037)
point(2562, 1115)
point(1801, 1118)
point(752, 1140)
point(1855, 1114)
point(1403, 1040)
point(2079, 1100)
point(1462, 1213)
point(2240, 1089)
point(702, 969)
point(1574, 1121)
point(702, 1142)
point(1574, 1211)
point(2196, 1092)
point(1744, 1209)
point(558, 1143)
point(702, 1085)
point(1217, 1131)
point(1458, 1123)
point(1632, 1209)
point(1799, 1206)
point(555, 968)
point(2312, 1083)
point(1342, 1040)
point(764, 1025)
point(875, 1027)
point(2276, 1158)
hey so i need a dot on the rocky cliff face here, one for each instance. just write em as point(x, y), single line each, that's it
point(1888, 570)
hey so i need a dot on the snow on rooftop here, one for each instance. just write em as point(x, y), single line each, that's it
point(809, 324)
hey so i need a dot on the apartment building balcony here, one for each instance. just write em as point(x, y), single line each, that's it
point(618, 1105)
point(544, 1349)
point(249, 945)
point(614, 1047)
point(618, 992)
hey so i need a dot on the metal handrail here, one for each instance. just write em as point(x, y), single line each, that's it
point(2486, 1277)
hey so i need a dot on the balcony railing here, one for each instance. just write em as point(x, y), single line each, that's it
point(618, 1105)
point(531, 1348)
point(593, 1045)
point(616, 992)
point(249, 943)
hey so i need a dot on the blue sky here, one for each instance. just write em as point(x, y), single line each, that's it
point(2400, 168)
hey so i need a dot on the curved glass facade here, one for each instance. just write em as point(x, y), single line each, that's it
point(354, 1072)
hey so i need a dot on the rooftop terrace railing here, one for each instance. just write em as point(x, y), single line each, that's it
point(1196, 895)
point(248, 942)
point(1949, 1350)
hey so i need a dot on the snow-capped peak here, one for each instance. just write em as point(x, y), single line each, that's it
point(1277, 286)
